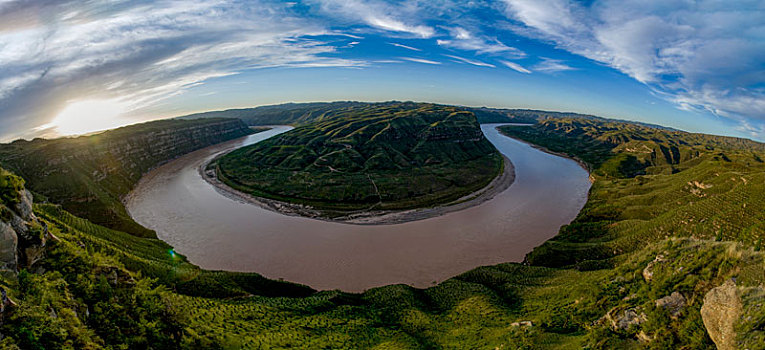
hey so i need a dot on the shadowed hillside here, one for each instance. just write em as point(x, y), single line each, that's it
point(283, 114)
point(89, 175)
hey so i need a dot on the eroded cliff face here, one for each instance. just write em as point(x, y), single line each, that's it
point(22, 236)
point(90, 175)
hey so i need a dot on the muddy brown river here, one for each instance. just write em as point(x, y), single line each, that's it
point(220, 233)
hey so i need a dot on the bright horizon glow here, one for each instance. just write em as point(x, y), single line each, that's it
point(86, 116)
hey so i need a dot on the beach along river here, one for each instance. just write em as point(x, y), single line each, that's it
point(220, 233)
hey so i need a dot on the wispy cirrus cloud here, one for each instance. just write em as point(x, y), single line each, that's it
point(419, 60)
point(515, 66)
point(463, 39)
point(550, 65)
point(377, 14)
point(704, 55)
point(459, 59)
point(140, 52)
point(405, 47)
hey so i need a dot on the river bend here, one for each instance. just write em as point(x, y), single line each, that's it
point(220, 233)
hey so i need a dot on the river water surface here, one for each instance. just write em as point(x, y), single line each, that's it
point(220, 233)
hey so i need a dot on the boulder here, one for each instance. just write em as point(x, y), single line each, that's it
point(674, 303)
point(626, 318)
point(720, 312)
point(648, 270)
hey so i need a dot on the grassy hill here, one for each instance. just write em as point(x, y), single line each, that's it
point(382, 157)
point(303, 113)
point(283, 114)
point(89, 175)
point(671, 216)
point(653, 184)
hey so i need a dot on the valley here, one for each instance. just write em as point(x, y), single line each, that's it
point(665, 253)
point(218, 231)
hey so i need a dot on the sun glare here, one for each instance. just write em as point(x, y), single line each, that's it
point(82, 117)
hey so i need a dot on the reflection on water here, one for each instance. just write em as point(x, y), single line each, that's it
point(216, 232)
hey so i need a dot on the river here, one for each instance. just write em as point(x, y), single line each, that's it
point(220, 233)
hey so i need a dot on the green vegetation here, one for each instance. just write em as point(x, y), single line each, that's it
point(98, 301)
point(10, 187)
point(89, 175)
point(305, 113)
point(652, 184)
point(381, 157)
point(283, 114)
point(669, 212)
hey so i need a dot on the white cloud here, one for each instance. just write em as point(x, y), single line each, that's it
point(703, 55)
point(142, 53)
point(419, 60)
point(549, 65)
point(378, 14)
point(405, 47)
point(462, 39)
point(470, 61)
point(515, 66)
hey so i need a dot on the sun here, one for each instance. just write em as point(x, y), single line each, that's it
point(86, 116)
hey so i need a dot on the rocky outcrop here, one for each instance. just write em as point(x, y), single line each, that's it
point(648, 270)
point(720, 312)
point(22, 235)
point(9, 243)
point(622, 320)
point(674, 303)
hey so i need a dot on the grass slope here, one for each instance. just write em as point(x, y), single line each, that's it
point(89, 282)
point(390, 157)
point(652, 184)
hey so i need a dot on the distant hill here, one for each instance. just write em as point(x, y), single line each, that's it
point(301, 113)
point(288, 113)
point(89, 175)
point(381, 156)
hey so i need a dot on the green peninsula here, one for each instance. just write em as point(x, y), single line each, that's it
point(379, 157)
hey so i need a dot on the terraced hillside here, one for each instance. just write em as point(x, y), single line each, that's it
point(283, 114)
point(653, 184)
point(382, 157)
point(303, 113)
point(89, 175)
point(665, 255)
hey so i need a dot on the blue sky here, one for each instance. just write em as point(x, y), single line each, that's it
point(698, 66)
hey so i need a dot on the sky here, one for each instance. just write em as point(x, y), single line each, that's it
point(70, 67)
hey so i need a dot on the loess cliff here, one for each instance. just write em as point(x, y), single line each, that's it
point(89, 175)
